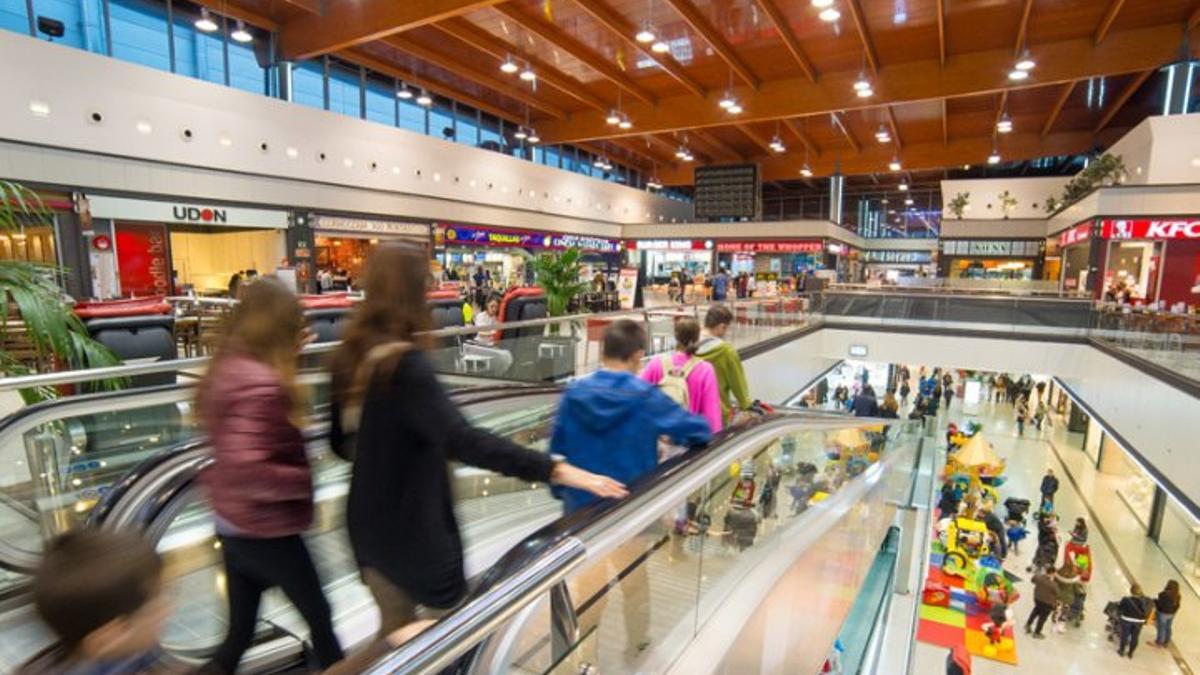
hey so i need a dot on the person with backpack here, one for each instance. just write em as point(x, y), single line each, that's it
point(686, 379)
point(731, 377)
point(390, 415)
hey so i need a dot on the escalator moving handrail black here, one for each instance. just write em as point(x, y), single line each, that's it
point(568, 541)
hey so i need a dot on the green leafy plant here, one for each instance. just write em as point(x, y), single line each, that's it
point(561, 276)
point(1007, 202)
point(1107, 169)
point(958, 206)
point(32, 303)
point(1052, 205)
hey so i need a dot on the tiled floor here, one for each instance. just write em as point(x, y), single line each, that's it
point(1082, 650)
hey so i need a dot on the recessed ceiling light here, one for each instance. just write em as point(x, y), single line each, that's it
point(347, 162)
point(205, 23)
point(509, 66)
point(829, 15)
point(143, 127)
point(225, 141)
point(291, 152)
point(1018, 75)
point(240, 34)
point(39, 108)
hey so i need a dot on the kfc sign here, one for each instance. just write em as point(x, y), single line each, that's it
point(1075, 235)
point(1150, 229)
point(768, 247)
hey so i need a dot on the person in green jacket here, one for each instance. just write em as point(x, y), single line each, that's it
point(731, 379)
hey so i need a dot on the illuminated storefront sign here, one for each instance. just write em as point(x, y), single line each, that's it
point(476, 236)
point(669, 245)
point(123, 208)
point(1075, 235)
point(899, 257)
point(1003, 248)
point(367, 226)
point(1143, 228)
point(768, 247)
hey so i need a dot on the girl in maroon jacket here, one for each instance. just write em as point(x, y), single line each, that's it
point(260, 483)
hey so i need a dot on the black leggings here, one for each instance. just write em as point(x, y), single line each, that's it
point(253, 566)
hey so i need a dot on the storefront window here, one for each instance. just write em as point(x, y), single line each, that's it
point(1092, 446)
point(1134, 486)
point(1133, 266)
point(1180, 540)
point(34, 244)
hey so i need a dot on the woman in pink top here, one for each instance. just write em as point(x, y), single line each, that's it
point(703, 396)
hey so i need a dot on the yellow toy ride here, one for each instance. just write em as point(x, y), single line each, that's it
point(965, 541)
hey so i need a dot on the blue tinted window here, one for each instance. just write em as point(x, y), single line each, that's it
point(412, 116)
point(307, 86)
point(244, 71)
point(139, 32)
point(466, 125)
point(381, 101)
point(14, 17)
point(441, 120)
point(343, 91)
point(489, 133)
point(198, 54)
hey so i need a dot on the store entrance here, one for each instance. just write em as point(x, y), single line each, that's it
point(206, 259)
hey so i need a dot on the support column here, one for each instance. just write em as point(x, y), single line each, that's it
point(837, 183)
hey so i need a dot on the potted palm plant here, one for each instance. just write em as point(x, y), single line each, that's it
point(560, 275)
point(34, 314)
point(1007, 203)
point(959, 205)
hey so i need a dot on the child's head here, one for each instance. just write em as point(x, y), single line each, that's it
point(687, 336)
point(624, 345)
point(101, 593)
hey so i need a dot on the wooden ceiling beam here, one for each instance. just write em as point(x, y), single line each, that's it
point(841, 124)
point(1194, 18)
point(917, 156)
point(625, 30)
point(699, 23)
point(348, 23)
point(713, 143)
point(1110, 15)
point(784, 28)
point(755, 137)
point(941, 23)
point(945, 123)
point(392, 70)
point(797, 129)
point(1023, 28)
point(1126, 94)
point(575, 49)
point(891, 115)
point(1058, 106)
point(968, 74)
point(860, 23)
point(512, 88)
point(482, 40)
point(310, 6)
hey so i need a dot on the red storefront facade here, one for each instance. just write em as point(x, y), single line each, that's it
point(1156, 259)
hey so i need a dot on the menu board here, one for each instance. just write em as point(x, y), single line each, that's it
point(728, 191)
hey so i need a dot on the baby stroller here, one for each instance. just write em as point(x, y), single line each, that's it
point(1017, 509)
point(1112, 621)
point(1046, 554)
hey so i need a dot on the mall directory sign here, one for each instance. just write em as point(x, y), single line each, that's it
point(458, 235)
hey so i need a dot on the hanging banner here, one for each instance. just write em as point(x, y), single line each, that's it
point(143, 259)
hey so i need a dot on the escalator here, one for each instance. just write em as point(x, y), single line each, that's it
point(151, 484)
point(677, 578)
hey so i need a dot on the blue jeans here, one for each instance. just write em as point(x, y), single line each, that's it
point(1163, 624)
point(1129, 631)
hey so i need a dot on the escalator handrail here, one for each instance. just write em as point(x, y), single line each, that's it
point(588, 534)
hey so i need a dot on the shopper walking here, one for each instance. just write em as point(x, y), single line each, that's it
point(392, 417)
point(725, 360)
point(1045, 596)
point(260, 483)
point(1022, 415)
point(1165, 609)
point(905, 390)
point(686, 378)
point(1133, 611)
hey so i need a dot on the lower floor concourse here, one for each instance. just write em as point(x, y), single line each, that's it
point(1121, 552)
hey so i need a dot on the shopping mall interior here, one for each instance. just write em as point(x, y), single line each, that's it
point(943, 256)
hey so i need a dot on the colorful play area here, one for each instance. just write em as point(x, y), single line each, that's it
point(966, 592)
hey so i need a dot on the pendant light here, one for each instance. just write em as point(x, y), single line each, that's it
point(424, 100)
point(240, 34)
point(403, 92)
point(205, 23)
point(883, 135)
point(527, 74)
point(509, 66)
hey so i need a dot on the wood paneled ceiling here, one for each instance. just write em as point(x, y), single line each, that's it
point(938, 69)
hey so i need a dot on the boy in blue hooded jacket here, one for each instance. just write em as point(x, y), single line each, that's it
point(610, 421)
